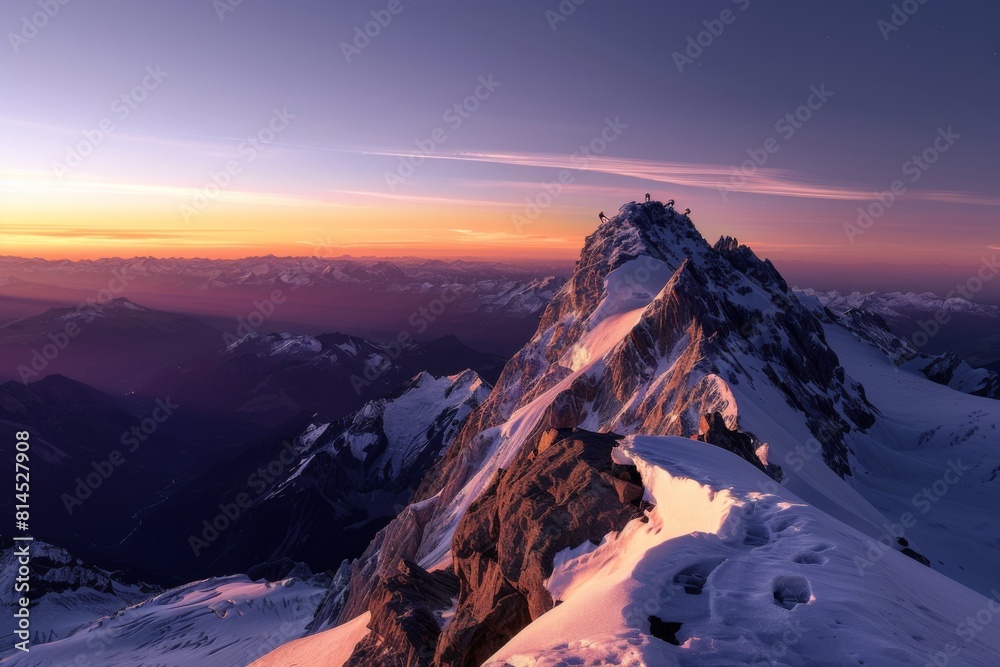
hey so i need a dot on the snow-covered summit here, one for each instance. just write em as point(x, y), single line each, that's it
point(659, 333)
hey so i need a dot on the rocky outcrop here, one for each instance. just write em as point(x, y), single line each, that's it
point(948, 369)
point(406, 618)
point(942, 369)
point(559, 493)
point(397, 542)
point(714, 431)
point(562, 490)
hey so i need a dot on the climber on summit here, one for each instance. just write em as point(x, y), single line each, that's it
point(687, 211)
point(670, 204)
point(647, 197)
point(603, 217)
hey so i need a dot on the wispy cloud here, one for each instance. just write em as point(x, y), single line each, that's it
point(41, 183)
point(531, 187)
point(777, 182)
point(475, 236)
point(223, 147)
point(423, 199)
point(444, 238)
point(952, 197)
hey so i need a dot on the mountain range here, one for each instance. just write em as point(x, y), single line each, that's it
point(688, 463)
point(933, 324)
point(489, 305)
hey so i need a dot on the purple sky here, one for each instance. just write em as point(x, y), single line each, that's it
point(334, 118)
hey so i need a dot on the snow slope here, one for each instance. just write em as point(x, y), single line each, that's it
point(330, 649)
point(934, 453)
point(65, 592)
point(212, 623)
point(753, 575)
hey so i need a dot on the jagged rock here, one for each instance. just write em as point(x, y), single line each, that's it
point(397, 542)
point(404, 626)
point(714, 431)
point(557, 494)
point(333, 602)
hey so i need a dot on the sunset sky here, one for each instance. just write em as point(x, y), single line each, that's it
point(330, 121)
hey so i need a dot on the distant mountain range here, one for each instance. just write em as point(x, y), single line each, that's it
point(931, 323)
point(326, 489)
point(114, 346)
point(408, 273)
point(265, 380)
point(491, 306)
point(897, 303)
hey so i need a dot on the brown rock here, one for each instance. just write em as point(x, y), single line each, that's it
point(404, 625)
point(560, 491)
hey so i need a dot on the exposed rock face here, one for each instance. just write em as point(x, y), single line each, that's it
point(948, 369)
point(942, 369)
point(397, 542)
point(714, 431)
point(405, 627)
point(561, 491)
point(558, 494)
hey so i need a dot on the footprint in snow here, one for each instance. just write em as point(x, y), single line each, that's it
point(791, 591)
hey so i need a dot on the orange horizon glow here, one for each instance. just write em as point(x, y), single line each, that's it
point(88, 218)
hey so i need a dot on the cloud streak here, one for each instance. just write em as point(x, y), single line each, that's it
point(36, 183)
point(423, 199)
point(776, 182)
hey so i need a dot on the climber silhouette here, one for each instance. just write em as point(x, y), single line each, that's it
point(670, 204)
point(647, 197)
point(687, 211)
point(603, 217)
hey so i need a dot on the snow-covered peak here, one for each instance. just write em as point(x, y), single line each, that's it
point(896, 303)
point(122, 303)
point(658, 334)
point(406, 418)
point(282, 344)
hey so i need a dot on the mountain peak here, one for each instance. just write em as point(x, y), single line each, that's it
point(122, 303)
point(650, 228)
